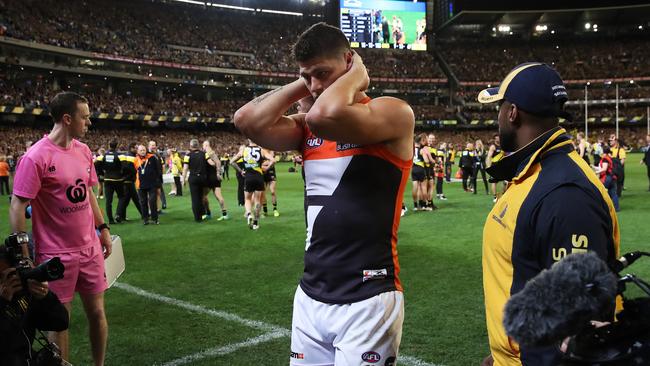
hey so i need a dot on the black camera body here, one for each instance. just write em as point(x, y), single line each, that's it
point(16, 253)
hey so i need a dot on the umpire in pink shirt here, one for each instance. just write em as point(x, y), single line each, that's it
point(57, 175)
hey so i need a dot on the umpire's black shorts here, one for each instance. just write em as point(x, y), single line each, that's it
point(253, 182)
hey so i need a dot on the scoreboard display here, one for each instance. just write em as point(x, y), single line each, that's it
point(396, 24)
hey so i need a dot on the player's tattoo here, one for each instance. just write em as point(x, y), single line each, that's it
point(259, 99)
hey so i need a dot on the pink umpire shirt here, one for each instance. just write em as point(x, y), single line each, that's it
point(58, 182)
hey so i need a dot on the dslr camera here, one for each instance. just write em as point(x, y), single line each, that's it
point(16, 252)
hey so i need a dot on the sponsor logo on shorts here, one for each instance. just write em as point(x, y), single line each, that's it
point(296, 355)
point(343, 147)
point(374, 274)
point(371, 357)
point(390, 361)
point(313, 141)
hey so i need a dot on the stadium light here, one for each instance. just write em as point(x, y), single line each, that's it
point(595, 26)
point(494, 29)
point(232, 7)
point(281, 12)
point(504, 28)
point(587, 25)
point(640, 27)
point(552, 32)
point(541, 28)
point(631, 81)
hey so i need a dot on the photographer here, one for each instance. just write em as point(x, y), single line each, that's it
point(22, 312)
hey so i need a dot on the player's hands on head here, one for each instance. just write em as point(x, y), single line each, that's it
point(38, 289)
point(9, 284)
point(358, 69)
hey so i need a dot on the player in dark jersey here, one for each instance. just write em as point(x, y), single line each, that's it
point(214, 177)
point(349, 306)
point(270, 178)
point(253, 156)
point(494, 154)
point(421, 158)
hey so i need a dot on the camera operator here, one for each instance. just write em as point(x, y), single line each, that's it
point(22, 312)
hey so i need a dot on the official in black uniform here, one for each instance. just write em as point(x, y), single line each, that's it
point(129, 174)
point(149, 169)
point(113, 179)
point(194, 172)
point(467, 161)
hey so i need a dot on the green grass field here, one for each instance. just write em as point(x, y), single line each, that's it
point(216, 270)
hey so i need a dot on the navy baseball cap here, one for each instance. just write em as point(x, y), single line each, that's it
point(534, 87)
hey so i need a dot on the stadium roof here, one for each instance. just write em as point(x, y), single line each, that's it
point(566, 20)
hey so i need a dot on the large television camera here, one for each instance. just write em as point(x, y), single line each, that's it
point(572, 306)
point(16, 252)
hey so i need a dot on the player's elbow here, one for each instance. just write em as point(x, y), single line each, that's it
point(319, 118)
point(241, 119)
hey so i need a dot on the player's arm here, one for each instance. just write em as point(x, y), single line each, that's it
point(336, 116)
point(269, 156)
point(233, 161)
point(426, 156)
point(490, 154)
point(263, 120)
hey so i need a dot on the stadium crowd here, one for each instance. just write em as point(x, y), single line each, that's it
point(150, 31)
point(574, 60)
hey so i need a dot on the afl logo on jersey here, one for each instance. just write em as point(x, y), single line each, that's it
point(313, 142)
point(371, 357)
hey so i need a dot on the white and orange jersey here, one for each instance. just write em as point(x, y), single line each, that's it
point(353, 204)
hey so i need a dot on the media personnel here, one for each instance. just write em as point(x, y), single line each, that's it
point(27, 304)
point(572, 305)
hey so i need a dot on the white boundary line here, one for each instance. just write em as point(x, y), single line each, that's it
point(227, 349)
point(271, 331)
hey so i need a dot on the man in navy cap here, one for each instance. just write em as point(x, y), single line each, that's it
point(554, 204)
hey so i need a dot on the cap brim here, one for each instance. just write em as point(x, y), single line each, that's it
point(489, 95)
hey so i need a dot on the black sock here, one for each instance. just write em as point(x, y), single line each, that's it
point(254, 222)
point(430, 203)
point(423, 203)
point(415, 204)
point(265, 208)
point(224, 213)
point(208, 212)
point(275, 206)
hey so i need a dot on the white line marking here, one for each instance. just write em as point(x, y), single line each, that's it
point(273, 331)
point(202, 310)
point(412, 361)
point(230, 348)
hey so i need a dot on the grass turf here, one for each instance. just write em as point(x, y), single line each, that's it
point(225, 266)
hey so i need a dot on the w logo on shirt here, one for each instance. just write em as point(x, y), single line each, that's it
point(76, 193)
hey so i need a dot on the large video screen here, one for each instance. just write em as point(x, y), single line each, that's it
point(398, 24)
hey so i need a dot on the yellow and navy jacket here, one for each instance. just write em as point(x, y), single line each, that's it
point(554, 206)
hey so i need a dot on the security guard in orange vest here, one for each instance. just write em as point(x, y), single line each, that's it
point(554, 204)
